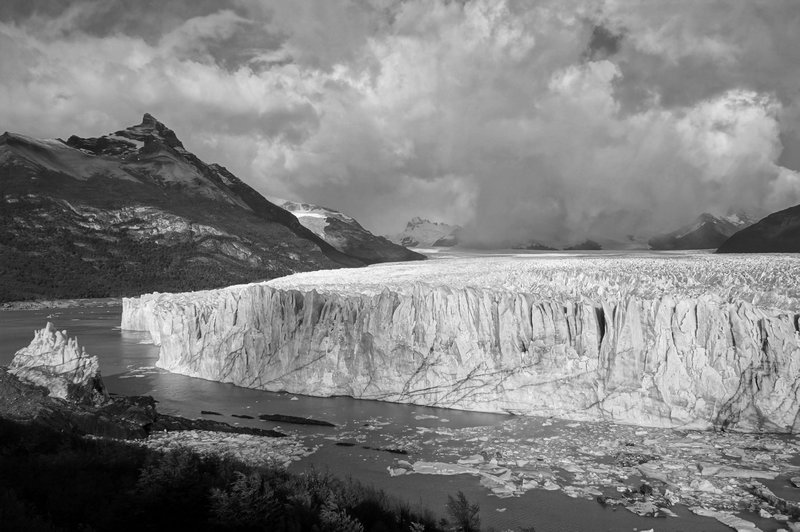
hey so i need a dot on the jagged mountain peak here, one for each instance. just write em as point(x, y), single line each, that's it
point(147, 118)
point(151, 129)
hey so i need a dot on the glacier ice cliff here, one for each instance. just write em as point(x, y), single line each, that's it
point(697, 341)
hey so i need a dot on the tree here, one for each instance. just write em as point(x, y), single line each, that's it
point(463, 513)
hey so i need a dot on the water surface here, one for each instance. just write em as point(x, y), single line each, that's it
point(127, 362)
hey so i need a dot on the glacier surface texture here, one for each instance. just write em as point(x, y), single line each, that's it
point(692, 341)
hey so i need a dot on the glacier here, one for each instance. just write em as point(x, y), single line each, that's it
point(681, 341)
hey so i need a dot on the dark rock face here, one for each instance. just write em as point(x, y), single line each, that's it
point(134, 212)
point(777, 233)
point(121, 417)
point(706, 232)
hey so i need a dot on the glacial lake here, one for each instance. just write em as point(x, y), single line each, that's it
point(127, 362)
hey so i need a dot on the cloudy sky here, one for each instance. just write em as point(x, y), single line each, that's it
point(553, 120)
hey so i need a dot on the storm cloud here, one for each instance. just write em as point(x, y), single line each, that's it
point(551, 120)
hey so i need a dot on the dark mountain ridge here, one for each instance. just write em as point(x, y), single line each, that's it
point(777, 233)
point(133, 212)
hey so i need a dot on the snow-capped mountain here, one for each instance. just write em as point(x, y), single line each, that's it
point(422, 232)
point(135, 211)
point(345, 234)
point(706, 232)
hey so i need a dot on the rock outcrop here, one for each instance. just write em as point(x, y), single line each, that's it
point(59, 364)
point(693, 343)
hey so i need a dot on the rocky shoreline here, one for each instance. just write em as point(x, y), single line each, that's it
point(54, 383)
point(40, 304)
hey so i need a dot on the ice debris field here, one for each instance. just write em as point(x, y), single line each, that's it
point(643, 350)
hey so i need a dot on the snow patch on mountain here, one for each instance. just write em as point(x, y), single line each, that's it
point(36, 155)
point(420, 232)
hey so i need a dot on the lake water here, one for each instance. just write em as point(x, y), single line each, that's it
point(127, 363)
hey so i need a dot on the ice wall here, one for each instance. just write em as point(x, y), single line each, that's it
point(701, 362)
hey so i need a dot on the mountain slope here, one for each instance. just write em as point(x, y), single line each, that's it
point(346, 234)
point(777, 233)
point(422, 232)
point(706, 232)
point(134, 211)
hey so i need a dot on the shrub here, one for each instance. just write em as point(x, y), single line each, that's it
point(248, 502)
point(463, 513)
point(335, 519)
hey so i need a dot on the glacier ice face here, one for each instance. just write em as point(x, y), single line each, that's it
point(693, 342)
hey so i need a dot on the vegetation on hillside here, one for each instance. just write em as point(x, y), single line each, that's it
point(53, 481)
point(59, 248)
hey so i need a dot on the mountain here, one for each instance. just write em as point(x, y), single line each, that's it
point(532, 245)
point(706, 232)
point(346, 234)
point(777, 233)
point(586, 245)
point(422, 232)
point(133, 212)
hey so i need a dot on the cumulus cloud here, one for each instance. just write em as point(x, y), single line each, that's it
point(552, 121)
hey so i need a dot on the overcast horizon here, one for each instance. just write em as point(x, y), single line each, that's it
point(548, 120)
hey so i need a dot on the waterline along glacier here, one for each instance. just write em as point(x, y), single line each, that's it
point(691, 341)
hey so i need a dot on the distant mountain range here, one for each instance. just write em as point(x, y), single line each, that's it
point(705, 232)
point(420, 232)
point(134, 211)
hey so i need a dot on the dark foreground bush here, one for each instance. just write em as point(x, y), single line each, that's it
point(51, 481)
point(465, 515)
